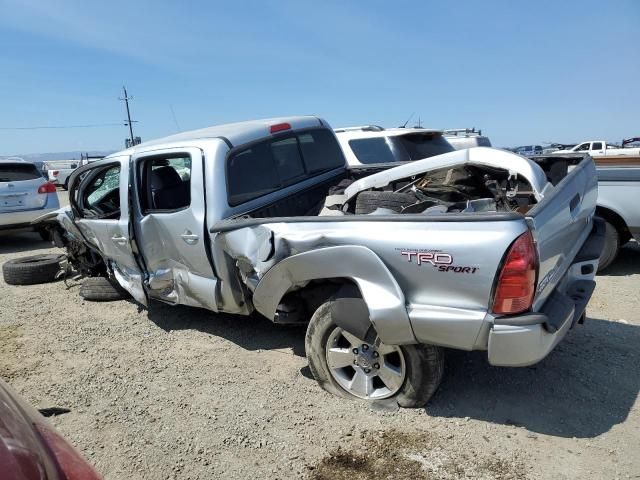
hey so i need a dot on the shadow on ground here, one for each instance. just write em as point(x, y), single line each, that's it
point(627, 262)
point(251, 333)
point(582, 389)
point(588, 384)
point(21, 241)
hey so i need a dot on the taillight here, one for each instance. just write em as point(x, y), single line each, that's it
point(517, 281)
point(55, 173)
point(71, 465)
point(47, 188)
point(279, 127)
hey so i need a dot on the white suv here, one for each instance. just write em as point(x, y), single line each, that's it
point(371, 144)
point(24, 194)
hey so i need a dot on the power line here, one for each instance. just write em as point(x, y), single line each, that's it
point(41, 127)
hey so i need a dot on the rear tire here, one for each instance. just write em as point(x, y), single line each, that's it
point(32, 270)
point(66, 184)
point(101, 289)
point(368, 202)
point(423, 364)
point(611, 246)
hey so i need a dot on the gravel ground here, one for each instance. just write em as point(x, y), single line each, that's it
point(177, 392)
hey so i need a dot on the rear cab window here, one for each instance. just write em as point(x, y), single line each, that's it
point(269, 165)
point(18, 172)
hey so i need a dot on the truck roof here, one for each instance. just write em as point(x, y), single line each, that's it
point(235, 134)
point(372, 131)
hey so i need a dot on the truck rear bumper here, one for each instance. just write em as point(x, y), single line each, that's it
point(525, 339)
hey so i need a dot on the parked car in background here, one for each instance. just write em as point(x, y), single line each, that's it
point(600, 148)
point(24, 195)
point(59, 171)
point(461, 138)
point(371, 144)
point(618, 196)
point(475, 249)
point(31, 449)
point(554, 147)
point(528, 150)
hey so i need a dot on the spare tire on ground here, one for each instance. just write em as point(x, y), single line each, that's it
point(32, 270)
point(368, 202)
point(101, 289)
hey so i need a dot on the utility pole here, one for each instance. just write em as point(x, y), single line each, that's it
point(128, 122)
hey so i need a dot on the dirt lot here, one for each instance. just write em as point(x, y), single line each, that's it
point(182, 393)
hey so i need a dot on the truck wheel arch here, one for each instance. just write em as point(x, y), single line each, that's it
point(616, 220)
point(378, 288)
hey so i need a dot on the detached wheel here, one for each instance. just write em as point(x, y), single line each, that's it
point(348, 366)
point(611, 246)
point(101, 289)
point(32, 270)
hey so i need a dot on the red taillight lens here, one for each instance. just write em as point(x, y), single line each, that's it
point(47, 188)
point(55, 173)
point(279, 127)
point(71, 464)
point(517, 281)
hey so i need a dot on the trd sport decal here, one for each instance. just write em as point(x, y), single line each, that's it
point(442, 261)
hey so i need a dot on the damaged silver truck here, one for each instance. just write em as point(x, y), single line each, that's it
point(476, 249)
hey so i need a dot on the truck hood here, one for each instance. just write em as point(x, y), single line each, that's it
point(485, 156)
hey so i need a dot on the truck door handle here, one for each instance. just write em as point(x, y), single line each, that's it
point(575, 201)
point(189, 237)
point(119, 239)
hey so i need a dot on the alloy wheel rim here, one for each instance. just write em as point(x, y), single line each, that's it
point(371, 371)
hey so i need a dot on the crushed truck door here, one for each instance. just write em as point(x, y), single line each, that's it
point(170, 230)
point(100, 200)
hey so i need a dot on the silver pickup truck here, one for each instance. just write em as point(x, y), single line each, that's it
point(476, 249)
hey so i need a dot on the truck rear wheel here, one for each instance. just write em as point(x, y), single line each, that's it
point(350, 367)
point(611, 246)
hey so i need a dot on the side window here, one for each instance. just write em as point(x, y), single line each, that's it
point(166, 183)
point(100, 197)
point(583, 148)
point(597, 146)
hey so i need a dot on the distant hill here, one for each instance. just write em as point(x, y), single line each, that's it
point(38, 158)
point(42, 157)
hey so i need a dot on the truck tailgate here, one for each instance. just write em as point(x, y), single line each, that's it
point(561, 223)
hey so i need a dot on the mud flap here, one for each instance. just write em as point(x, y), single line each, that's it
point(349, 311)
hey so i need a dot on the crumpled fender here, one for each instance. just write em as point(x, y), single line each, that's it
point(380, 291)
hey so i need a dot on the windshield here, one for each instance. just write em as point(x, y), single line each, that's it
point(401, 148)
point(17, 172)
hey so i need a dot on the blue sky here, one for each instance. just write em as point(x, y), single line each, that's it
point(525, 72)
